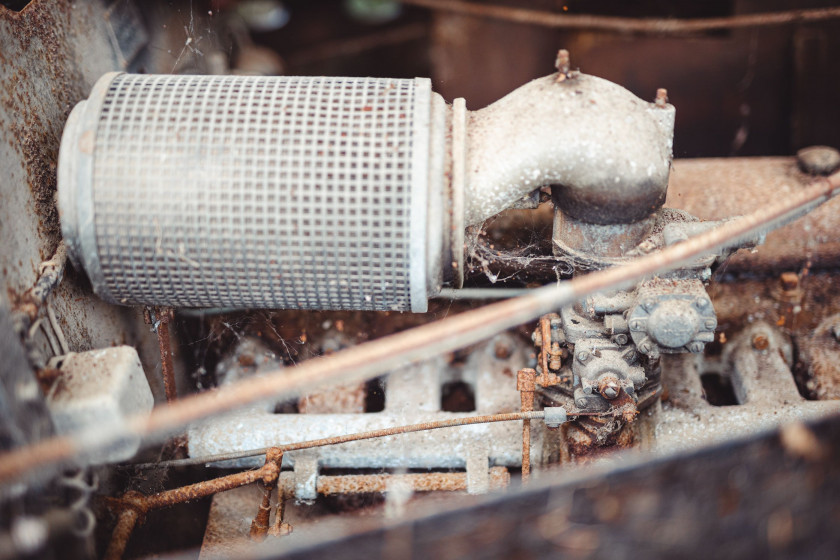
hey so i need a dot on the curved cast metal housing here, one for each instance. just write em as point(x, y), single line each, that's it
point(608, 150)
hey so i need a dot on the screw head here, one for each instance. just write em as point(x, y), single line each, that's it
point(789, 281)
point(760, 342)
point(649, 304)
point(710, 324)
point(645, 347)
point(583, 356)
point(502, 351)
point(637, 325)
point(581, 403)
point(701, 303)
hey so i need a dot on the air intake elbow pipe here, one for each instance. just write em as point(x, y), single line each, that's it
point(329, 193)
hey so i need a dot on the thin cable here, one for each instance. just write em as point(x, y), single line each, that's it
point(390, 353)
point(335, 440)
point(625, 24)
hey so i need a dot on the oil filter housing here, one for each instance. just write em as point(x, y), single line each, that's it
point(257, 192)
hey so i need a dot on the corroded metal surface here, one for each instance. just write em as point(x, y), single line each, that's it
point(767, 496)
point(714, 189)
point(51, 52)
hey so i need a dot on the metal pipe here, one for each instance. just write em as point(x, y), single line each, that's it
point(625, 24)
point(505, 417)
point(374, 358)
point(481, 293)
point(607, 152)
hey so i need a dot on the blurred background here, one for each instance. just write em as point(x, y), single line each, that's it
point(745, 91)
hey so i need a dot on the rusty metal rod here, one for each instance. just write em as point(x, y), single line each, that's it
point(384, 432)
point(201, 489)
point(374, 358)
point(526, 385)
point(625, 24)
point(126, 522)
point(379, 483)
point(164, 316)
point(328, 50)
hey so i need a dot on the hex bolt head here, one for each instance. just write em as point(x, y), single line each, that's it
point(696, 347)
point(620, 339)
point(608, 387)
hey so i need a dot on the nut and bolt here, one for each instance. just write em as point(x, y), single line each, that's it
point(818, 160)
point(661, 98)
point(789, 281)
point(562, 64)
point(555, 356)
point(695, 347)
point(620, 339)
point(608, 387)
point(760, 342)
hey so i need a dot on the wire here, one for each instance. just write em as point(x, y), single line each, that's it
point(371, 359)
point(625, 24)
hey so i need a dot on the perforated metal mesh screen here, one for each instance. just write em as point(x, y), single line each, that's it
point(290, 192)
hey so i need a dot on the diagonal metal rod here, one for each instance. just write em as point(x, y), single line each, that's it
point(625, 24)
point(377, 357)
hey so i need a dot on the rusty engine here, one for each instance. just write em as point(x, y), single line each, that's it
point(270, 293)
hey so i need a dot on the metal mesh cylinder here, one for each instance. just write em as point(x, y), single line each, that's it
point(283, 192)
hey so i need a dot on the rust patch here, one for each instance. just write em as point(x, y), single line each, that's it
point(41, 32)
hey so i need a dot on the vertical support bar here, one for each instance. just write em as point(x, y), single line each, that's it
point(162, 316)
point(526, 385)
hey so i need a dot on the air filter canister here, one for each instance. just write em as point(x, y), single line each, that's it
point(257, 192)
